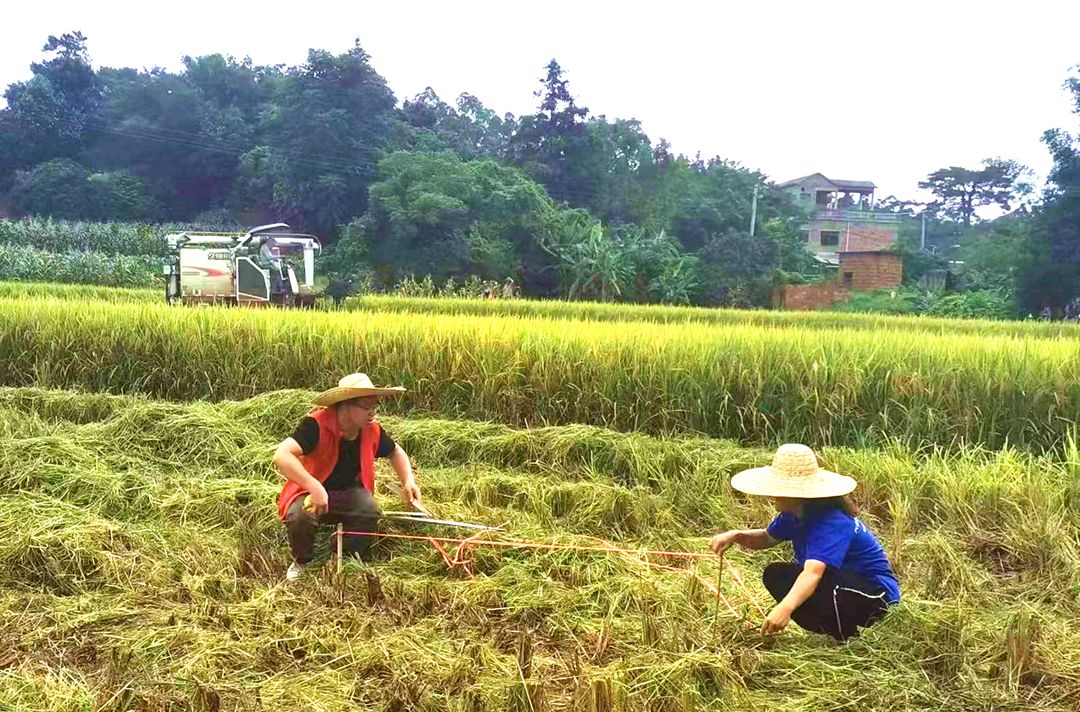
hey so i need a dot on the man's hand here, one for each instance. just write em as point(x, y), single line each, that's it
point(777, 620)
point(410, 492)
point(317, 501)
point(723, 541)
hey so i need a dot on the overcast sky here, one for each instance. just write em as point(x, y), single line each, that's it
point(881, 91)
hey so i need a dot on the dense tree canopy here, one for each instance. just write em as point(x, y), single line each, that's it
point(435, 213)
point(564, 201)
point(1050, 275)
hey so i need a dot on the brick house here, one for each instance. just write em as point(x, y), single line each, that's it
point(844, 231)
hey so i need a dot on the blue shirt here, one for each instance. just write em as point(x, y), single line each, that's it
point(837, 539)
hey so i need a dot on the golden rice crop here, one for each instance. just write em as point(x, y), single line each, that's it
point(743, 382)
point(79, 292)
point(595, 311)
point(667, 314)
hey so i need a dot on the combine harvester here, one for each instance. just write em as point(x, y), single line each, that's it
point(240, 268)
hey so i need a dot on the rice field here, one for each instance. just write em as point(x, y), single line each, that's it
point(744, 382)
point(665, 314)
point(597, 312)
point(143, 564)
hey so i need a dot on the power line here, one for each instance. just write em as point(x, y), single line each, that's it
point(197, 141)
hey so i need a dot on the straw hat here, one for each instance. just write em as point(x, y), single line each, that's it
point(794, 472)
point(355, 385)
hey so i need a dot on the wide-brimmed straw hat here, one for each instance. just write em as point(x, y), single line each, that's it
point(794, 472)
point(355, 385)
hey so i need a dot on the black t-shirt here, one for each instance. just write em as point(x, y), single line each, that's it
point(348, 462)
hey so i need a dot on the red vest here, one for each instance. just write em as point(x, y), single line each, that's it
point(320, 462)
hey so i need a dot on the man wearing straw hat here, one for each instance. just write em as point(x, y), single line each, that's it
point(841, 579)
point(329, 465)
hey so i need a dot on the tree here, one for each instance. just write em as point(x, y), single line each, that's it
point(61, 188)
point(158, 127)
point(624, 263)
point(470, 129)
point(1050, 274)
point(663, 272)
point(58, 188)
point(595, 263)
point(552, 145)
point(992, 260)
point(793, 259)
point(960, 191)
point(225, 83)
point(714, 198)
point(49, 115)
point(434, 214)
point(330, 120)
point(620, 169)
point(118, 196)
point(1062, 210)
point(738, 269)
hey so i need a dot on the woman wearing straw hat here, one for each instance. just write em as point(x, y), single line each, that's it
point(841, 579)
point(329, 465)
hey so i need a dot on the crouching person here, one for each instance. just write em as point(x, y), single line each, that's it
point(329, 465)
point(841, 579)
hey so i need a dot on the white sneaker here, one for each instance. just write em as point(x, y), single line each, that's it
point(295, 571)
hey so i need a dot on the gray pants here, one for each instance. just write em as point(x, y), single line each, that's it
point(353, 508)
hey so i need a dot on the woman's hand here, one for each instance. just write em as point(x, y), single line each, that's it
point(723, 541)
point(777, 620)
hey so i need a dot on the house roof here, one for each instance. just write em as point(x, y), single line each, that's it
point(797, 181)
point(853, 186)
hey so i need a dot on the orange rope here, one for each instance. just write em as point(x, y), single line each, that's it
point(541, 545)
point(462, 558)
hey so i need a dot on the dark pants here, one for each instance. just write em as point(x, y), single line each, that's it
point(353, 508)
point(841, 603)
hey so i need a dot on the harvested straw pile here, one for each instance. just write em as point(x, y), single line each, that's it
point(142, 570)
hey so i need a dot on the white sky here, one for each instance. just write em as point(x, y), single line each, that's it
point(869, 91)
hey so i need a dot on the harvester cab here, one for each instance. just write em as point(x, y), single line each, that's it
point(251, 268)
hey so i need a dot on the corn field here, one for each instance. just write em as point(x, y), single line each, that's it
point(94, 268)
point(62, 236)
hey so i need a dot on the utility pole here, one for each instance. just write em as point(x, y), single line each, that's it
point(922, 234)
point(753, 210)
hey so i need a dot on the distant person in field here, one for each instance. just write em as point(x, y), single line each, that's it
point(508, 288)
point(329, 465)
point(841, 579)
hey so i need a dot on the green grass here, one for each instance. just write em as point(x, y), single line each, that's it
point(745, 382)
point(142, 567)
